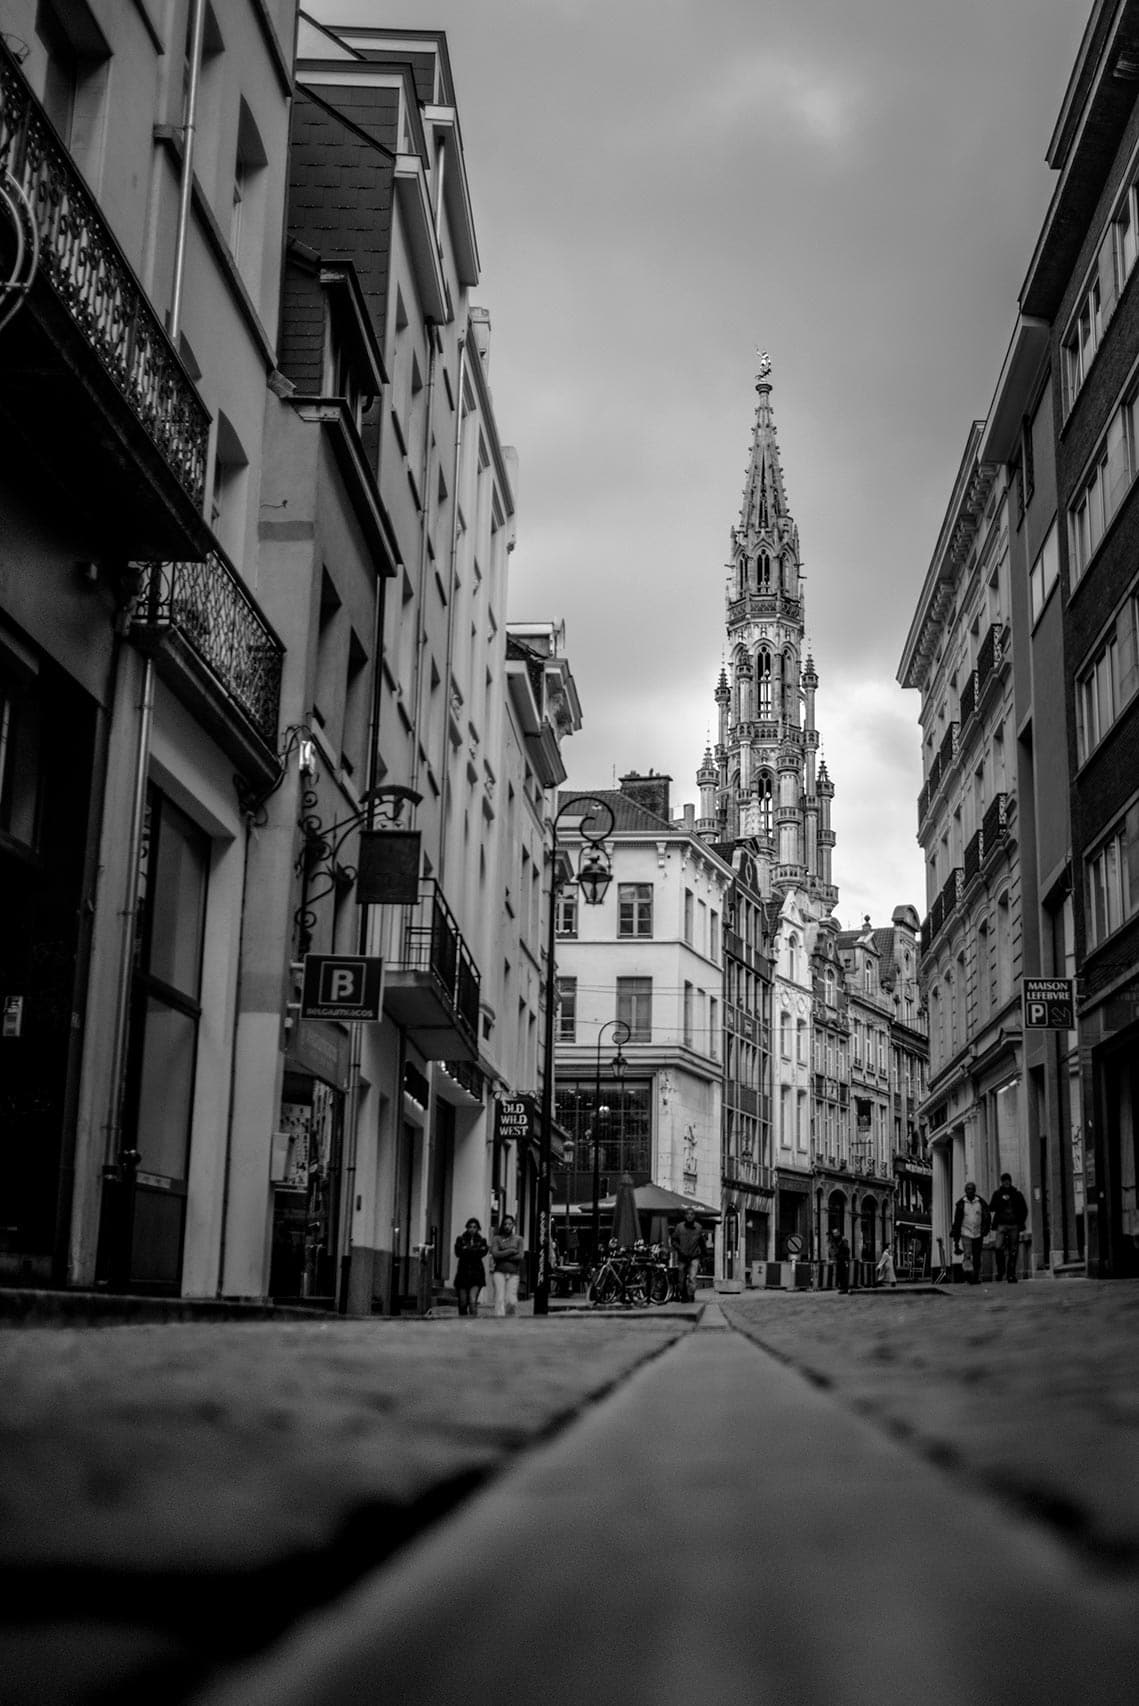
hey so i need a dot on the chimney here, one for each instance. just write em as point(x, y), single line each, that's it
point(651, 792)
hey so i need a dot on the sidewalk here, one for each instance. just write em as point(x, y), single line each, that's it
point(779, 1497)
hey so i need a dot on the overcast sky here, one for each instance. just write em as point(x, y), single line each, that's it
point(661, 187)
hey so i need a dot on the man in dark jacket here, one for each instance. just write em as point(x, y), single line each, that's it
point(1010, 1216)
point(687, 1240)
point(971, 1222)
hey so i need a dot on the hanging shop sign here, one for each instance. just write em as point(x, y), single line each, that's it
point(1049, 1003)
point(342, 986)
point(387, 872)
point(514, 1120)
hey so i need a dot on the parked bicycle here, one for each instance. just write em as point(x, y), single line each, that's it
point(630, 1278)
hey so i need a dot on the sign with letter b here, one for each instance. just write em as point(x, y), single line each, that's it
point(342, 986)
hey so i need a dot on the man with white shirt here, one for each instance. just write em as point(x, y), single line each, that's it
point(971, 1221)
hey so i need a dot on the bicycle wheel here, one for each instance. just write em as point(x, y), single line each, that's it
point(604, 1288)
point(658, 1285)
point(637, 1286)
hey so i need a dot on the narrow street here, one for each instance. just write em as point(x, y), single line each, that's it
point(769, 1497)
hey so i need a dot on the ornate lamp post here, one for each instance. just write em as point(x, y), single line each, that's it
point(618, 1066)
point(595, 873)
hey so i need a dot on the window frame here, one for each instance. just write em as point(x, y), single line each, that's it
point(634, 911)
point(635, 1007)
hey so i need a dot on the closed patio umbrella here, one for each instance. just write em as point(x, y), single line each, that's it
point(626, 1221)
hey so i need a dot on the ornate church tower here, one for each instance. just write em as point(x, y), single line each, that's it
point(762, 785)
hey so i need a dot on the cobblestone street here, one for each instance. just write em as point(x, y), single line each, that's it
point(342, 1511)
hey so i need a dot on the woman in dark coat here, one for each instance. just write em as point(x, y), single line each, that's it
point(470, 1275)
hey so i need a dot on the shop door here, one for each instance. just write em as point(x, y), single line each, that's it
point(1121, 1087)
point(163, 1047)
point(46, 745)
point(442, 1175)
point(402, 1287)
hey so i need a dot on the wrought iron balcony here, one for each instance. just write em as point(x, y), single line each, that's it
point(968, 697)
point(994, 826)
point(103, 302)
point(207, 632)
point(972, 865)
point(431, 984)
point(952, 891)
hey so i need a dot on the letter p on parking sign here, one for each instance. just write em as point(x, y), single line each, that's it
point(1049, 1004)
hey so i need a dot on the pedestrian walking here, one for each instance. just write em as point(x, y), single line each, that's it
point(884, 1267)
point(506, 1250)
point(470, 1274)
point(840, 1246)
point(688, 1243)
point(1010, 1217)
point(971, 1221)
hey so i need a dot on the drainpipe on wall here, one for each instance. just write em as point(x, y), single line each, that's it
point(122, 1163)
point(363, 943)
point(444, 765)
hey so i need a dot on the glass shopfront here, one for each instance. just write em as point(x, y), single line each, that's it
point(163, 1041)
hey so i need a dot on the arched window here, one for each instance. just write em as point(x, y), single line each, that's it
point(793, 958)
point(764, 799)
point(763, 683)
point(790, 688)
point(830, 993)
point(764, 572)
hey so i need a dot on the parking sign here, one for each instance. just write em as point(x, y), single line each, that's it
point(342, 986)
point(1049, 1004)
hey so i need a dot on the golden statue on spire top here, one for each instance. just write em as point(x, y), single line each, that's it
point(764, 363)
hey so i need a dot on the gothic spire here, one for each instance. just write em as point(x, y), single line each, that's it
point(763, 786)
point(764, 515)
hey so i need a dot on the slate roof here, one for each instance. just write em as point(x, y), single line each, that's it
point(627, 814)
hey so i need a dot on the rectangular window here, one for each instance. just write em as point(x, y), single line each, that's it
point(1110, 682)
point(1104, 489)
point(565, 913)
point(1124, 235)
point(1082, 342)
point(567, 1009)
point(634, 909)
point(1043, 574)
point(801, 1041)
point(1112, 875)
point(635, 1007)
point(714, 1027)
point(688, 1015)
point(714, 936)
point(688, 913)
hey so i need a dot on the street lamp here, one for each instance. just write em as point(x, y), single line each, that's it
point(618, 1066)
point(595, 873)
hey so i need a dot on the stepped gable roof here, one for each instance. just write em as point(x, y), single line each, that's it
point(628, 815)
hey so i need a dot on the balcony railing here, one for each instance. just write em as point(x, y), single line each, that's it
point(968, 697)
point(952, 891)
point(83, 263)
point(991, 655)
point(994, 826)
point(431, 942)
point(760, 605)
point(972, 864)
point(209, 607)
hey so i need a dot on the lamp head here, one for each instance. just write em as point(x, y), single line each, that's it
point(594, 876)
